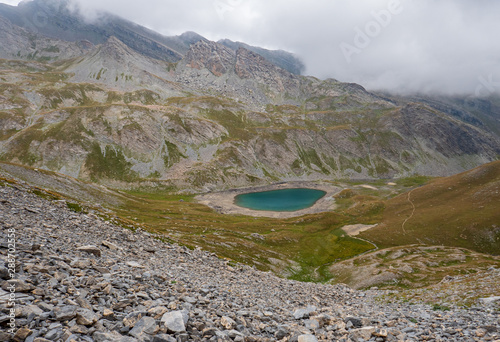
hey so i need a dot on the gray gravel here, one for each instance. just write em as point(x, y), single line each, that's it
point(79, 278)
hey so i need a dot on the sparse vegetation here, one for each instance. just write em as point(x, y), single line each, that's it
point(75, 207)
point(173, 156)
point(231, 121)
point(111, 164)
point(341, 135)
point(440, 307)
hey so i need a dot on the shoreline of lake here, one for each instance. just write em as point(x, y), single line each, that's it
point(223, 201)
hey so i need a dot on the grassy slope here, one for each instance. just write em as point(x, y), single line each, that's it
point(302, 248)
point(461, 210)
point(410, 266)
point(303, 245)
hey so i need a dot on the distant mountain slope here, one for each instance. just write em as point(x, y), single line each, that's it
point(54, 19)
point(217, 118)
point(460, 211)
point(18, 43)
point(116, 65)
point(482, 111)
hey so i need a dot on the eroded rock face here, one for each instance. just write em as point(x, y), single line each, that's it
point(250, 65)
point(217, 58)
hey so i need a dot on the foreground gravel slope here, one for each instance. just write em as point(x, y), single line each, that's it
point(79, 278)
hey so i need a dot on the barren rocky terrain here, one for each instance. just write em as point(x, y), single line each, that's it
point(79, 278)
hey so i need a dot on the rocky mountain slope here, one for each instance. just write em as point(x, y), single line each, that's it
point(61, 19)
point(116, 65)
point(18, 43)
point(482, 111)
point(217, 118)
point(80, 278)
point(337, 131)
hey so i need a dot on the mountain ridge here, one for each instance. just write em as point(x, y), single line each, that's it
point(49, 16)
point(217, 118)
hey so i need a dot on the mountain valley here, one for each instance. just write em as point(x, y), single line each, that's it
point(117, 123)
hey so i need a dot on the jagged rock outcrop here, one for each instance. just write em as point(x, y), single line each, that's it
point(279, 58)
point(250, 65)
point(217, 58)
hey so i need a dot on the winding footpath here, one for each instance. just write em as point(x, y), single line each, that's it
point(412, 212)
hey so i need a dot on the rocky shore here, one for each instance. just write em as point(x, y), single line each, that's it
point(77, 277)
point(223, 201)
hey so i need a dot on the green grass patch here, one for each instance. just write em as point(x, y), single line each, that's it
point(173, 155)
point(77, 208)
point(440, 307)
point(312, 241)
point(416, 180)
point(111, 164)
point(46, 194)
point(233, 122)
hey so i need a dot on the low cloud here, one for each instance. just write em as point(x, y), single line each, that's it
point(446, 46)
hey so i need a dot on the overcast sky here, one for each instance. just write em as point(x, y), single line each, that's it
point(401, 45)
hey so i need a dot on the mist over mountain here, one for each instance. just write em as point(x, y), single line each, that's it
point(429, 47)
point(218, 117)
point(66, 20)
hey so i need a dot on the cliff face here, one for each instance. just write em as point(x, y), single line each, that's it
point(211, 56)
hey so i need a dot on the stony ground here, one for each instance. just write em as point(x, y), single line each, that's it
point(79, 278)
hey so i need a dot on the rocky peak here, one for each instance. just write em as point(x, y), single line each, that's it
point(250, 64)
point(210, 55)
point(191, 37)
point(283, 59)
point(115, 49)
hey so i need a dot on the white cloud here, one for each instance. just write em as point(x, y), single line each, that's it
point(11, 2)
point(429, 45)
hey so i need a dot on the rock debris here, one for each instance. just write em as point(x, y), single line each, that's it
point(80, 278)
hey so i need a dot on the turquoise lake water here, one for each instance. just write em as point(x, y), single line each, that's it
point(280, 200)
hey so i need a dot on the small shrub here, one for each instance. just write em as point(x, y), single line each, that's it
point(440, 307)
point(75, 207)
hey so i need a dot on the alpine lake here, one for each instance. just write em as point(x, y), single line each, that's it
point(286, 200)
